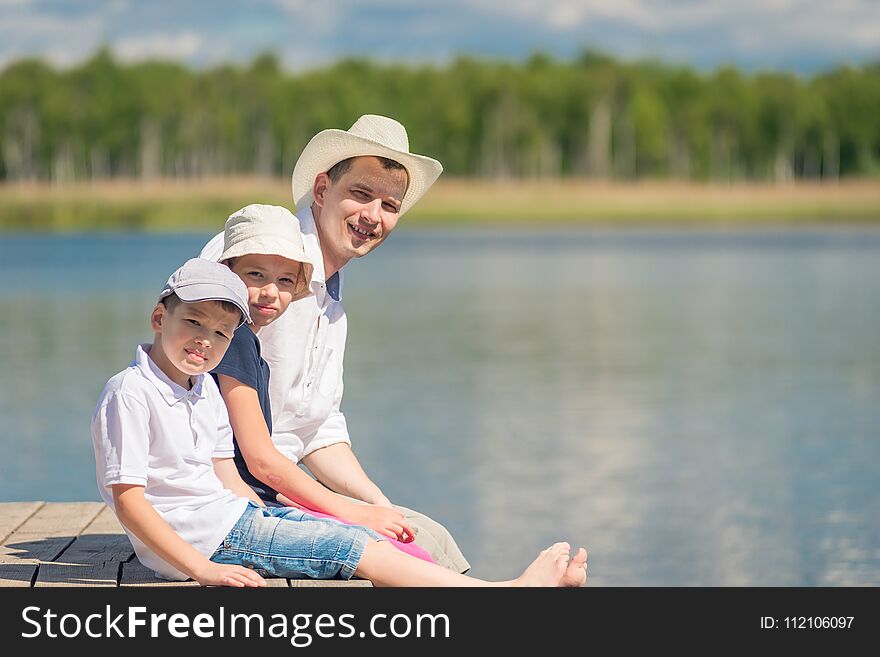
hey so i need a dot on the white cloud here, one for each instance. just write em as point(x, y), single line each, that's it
point(762, 17)
point(701, 32)
point(164, 46)
point(26, 32)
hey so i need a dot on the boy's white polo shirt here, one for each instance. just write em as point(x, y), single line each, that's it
point(151, 432)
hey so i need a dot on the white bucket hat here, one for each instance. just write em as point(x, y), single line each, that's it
point(370, 135)
point(267, 230)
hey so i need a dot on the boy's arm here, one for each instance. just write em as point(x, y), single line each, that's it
point(270, 466)
point(228, 475)
point(143, 521)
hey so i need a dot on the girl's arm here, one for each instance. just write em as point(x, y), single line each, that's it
point(274, 469)
point(143, 521)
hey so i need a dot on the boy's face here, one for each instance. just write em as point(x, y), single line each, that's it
point(191, 338)
point(272, 282)
point(358, 211)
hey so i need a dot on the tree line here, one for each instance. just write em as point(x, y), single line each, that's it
point(593, 116)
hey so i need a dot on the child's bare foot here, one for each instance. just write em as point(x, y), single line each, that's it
point(548, 569)
point(576, 572)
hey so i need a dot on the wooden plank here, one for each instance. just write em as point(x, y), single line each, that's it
point(83, 544)
point(329, 583)
point(41, 538)
point(134, 573)
point(88, 561)
point(93, 559)
point(105, 523)
point(13, 515)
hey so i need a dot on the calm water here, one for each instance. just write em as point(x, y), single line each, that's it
point(695, 408)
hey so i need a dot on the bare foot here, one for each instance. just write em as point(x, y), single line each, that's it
point(576, 572)
point(548, 569)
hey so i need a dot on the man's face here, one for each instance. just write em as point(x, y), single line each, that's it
point(356, 213)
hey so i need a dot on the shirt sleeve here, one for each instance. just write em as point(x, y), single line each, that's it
point(332, 430)
point(242, 359)
point(122, 426)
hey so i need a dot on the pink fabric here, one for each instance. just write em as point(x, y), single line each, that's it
point(410, 548)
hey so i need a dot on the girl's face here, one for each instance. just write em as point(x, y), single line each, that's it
point(273, 282)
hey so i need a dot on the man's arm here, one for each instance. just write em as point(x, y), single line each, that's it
point(270, 466)
point(144, 522)
point(337, 467)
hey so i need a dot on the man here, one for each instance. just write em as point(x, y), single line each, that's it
point(351, 188)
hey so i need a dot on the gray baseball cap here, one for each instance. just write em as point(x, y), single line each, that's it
point(205, 280)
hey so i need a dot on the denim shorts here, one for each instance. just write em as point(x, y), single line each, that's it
point(288, 542)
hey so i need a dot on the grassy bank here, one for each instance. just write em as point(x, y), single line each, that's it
point(204, 204)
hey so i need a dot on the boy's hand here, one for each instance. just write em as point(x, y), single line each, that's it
point(216, 574)
point(388, 522)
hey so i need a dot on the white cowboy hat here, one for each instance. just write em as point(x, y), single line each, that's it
point(370, 135)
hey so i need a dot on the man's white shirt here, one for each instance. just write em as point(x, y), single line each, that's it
point(304, 349)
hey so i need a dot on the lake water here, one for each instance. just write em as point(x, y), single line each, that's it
point(697, 408)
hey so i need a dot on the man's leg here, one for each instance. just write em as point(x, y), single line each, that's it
point(434, 538)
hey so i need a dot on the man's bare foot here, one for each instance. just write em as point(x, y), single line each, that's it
point(576, 571)
point(548, 569)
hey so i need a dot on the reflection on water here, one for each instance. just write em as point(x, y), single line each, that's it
point(695, 408)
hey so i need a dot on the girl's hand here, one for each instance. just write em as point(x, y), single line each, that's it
point(388, 522)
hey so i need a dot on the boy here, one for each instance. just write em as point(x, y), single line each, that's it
point(163, 453)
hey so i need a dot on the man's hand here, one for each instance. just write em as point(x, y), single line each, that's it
point(382, 501)
point(215, 574)
point(338, 469)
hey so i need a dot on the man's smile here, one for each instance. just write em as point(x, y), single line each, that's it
point(361, 233)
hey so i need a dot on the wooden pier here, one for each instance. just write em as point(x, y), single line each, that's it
point(82, 544)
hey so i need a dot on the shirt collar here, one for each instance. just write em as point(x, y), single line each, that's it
point(319, 283)
point(170, 391)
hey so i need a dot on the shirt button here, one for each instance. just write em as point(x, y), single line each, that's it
point(300, 413)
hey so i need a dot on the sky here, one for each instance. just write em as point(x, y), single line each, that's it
point(803, 36)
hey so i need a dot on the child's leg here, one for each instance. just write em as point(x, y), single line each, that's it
point(287, 542)
point(385, 566)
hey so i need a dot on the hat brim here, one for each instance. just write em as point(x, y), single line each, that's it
point(330, 147)
point(280, 247)
point(196, 292)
